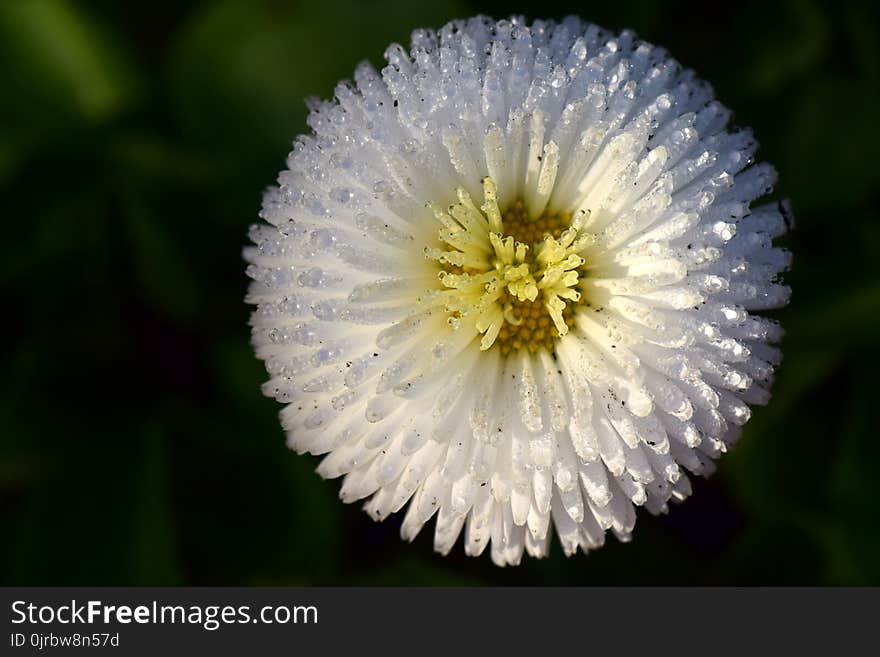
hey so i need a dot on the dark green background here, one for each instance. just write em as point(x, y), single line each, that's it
point(136, 447)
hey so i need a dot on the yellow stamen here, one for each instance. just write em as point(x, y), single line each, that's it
point(514, 277)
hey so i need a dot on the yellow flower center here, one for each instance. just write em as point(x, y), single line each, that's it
point(511, 277)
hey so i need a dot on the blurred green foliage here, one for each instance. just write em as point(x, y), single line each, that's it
point(135, 140)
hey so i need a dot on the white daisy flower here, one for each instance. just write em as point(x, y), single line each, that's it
point(509, 281)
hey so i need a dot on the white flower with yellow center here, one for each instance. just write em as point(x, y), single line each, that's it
point(509, 282)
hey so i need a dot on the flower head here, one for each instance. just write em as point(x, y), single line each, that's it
point(509, 282)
